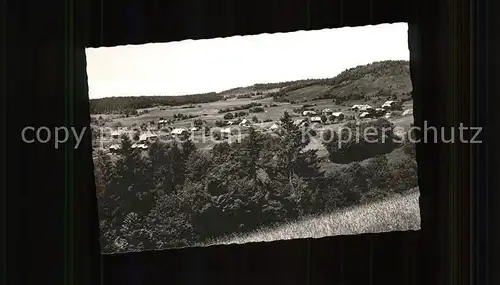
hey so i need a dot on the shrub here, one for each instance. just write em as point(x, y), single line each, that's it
point(355, 143)
point(256, 110)
point(220, 123)
point(228, 116)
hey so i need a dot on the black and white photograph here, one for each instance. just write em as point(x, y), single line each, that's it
point(253, 138)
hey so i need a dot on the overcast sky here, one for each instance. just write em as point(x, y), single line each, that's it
point(214, 65)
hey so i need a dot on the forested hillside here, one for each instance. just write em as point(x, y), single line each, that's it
point(178, 196)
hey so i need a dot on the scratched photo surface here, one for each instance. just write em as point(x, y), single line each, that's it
point(253, 138)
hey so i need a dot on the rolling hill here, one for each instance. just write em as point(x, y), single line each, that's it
point(375, 81)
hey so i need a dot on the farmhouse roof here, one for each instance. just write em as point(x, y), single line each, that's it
point(244, 122)
point(407, 112)
point(387, 103)
point(364, 114)
point(315, 119)
point(336, 114)
point(274, 126)
point(139, 145)
point(178, 131)
point(365, 107)
point(147, 135)
point(225, 130)
point(305, 113)
point(299, 121)
point(115, 146)
point(362, 107)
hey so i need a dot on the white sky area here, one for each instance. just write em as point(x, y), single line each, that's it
point(215, 65)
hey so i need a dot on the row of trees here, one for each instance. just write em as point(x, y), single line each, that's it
point(122, 105)
point(239, 108)
point(230, 116)
point(178, 196)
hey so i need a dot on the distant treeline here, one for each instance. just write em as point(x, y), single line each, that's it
point(125, 104)
point(242, 107)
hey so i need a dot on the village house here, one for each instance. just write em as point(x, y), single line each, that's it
point(389, 105)
point(364, 115)
point(225, 132)
point(407, 112)
point(300, 122)
point(139, 145)
point(274, 127)
point(365, 108)
point(379, 112)
point(245, 123)
point(316, 119)
point(161, 123)
point(115, 135)
point(355, 107)
point(115, 148)
point(179, 132)
point(361, 108)
point(148, 137)
point(338, 116)
point(327, 112)
point(309, 113)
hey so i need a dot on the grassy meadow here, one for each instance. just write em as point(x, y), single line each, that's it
point(399, 213)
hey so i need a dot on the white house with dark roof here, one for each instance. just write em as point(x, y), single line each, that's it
point(300, 122)
point(364, 115)
point(139, 146)
point(179, 131)
point(309, 113)
point(245, 123)
point(327, 111)
point(389, 104)
point(316, 119)
point(115, 134)
point(362, 108)
point(115, 147)
point(274, 127)
point(407, 112)
point(338, 116)
point(148, 136)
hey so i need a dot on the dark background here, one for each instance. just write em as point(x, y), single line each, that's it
point(52, 234)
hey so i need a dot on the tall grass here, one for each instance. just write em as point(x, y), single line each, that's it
point(400, 213)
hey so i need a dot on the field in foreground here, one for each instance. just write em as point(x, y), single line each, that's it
point(400, 213)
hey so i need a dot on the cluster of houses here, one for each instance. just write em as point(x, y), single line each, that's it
point(315, 117)
point(145, 138)
point(366, 111)
point(309, 117)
